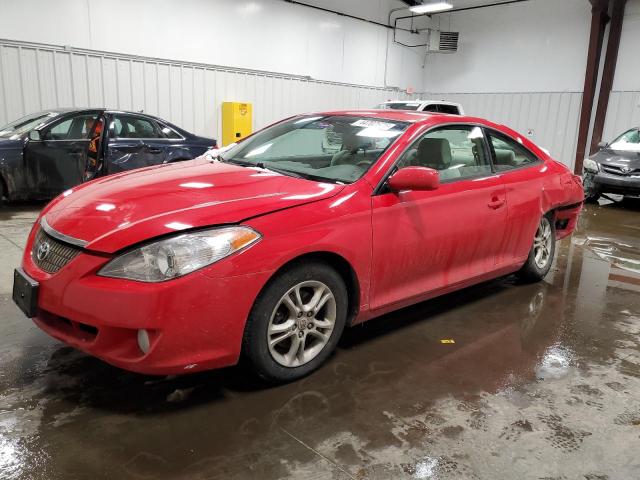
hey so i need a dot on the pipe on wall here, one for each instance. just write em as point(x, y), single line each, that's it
point(599, 19)
point(610, 62)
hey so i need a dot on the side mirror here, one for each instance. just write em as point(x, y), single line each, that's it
point(602, 145)
point(35, 135)
point(414, 178)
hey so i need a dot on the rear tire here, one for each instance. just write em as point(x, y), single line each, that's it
point(296, 322)
point(542, 252)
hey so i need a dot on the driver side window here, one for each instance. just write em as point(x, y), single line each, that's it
point(75, 128)
point(457, 152)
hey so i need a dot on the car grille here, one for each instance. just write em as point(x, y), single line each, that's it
point(615, 170)
point(50, 254)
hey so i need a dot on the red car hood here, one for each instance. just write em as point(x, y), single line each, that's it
point(117, 211)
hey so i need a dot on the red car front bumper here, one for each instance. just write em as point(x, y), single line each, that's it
point(194, 323)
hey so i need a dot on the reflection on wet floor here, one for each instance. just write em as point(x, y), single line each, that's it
point(543, 381)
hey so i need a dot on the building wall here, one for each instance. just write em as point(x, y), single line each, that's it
point(36, 77)
point(522, 65)
point(624, 103)
point(266, 35)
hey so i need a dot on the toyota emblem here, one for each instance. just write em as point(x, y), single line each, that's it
point(626, 170)
point(43, 250)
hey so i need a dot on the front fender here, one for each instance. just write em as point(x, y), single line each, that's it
point(13, 173)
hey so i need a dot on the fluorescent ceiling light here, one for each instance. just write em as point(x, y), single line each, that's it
point(431, 7)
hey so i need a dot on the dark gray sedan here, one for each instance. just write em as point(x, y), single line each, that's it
point(615, 168)
point(46, 153)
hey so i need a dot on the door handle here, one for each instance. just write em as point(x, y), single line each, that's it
point(496, 202)
point(154, 150)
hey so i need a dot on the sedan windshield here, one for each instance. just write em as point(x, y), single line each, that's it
point(628, 141)
point(25, 124)
point(338, 148)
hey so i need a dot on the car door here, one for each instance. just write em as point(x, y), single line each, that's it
point(520, 171)
point(424, 241)
point(57, 161)
point(134, 141)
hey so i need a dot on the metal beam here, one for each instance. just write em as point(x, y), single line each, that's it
point(608, 73)
point(599, 19)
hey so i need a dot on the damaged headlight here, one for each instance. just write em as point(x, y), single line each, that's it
point(176, 256)
point(590, 165)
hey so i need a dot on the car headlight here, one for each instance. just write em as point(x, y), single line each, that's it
point(176, 256)
point(590, 165)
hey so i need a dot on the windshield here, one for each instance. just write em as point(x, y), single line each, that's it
point(15, 129)
point(400, 106)
point(628, 141)
point(339, 148)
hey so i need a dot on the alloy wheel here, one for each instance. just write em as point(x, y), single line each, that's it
point(542, 243)
point(301, 323)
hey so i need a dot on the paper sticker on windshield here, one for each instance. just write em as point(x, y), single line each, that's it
point(374, 124)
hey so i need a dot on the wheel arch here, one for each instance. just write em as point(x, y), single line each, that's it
point(4, 190)
point(338, 263)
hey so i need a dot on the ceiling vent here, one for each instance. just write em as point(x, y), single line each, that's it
point(443, 42)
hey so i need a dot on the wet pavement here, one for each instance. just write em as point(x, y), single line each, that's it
point(542, 382)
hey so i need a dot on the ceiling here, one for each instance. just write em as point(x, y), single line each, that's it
point(462, 3)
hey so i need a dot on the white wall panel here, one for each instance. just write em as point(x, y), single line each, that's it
point(551, 117)
point(35, 77)
point(267, 35)
point(535, 46)
point(623, 113)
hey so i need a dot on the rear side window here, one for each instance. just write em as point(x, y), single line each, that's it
point(456, 152)
point(170, 133)
point(509, 154)
point(129, 126)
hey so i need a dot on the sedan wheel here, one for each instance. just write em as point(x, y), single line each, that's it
point(296, 322)
point(542, 251)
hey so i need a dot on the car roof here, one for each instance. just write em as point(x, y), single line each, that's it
point(411, 116)
point(418, 100)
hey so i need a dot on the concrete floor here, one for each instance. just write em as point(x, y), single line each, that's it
point(543, 381)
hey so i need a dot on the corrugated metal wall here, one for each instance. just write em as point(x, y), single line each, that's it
point(623, 113)
point(552, 117)
point(35, 77)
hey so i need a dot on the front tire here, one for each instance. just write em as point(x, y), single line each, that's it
point(591, 193)
point(542, 252)
point(296, 322)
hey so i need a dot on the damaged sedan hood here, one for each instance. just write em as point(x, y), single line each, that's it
point(11, 144)
point(115, 212)
point(618, 158)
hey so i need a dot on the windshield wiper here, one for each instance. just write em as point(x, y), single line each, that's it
point(244, 163)
point(282, 171)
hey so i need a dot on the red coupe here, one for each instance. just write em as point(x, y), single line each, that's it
point(268, 250)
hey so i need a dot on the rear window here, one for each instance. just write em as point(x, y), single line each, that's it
point(441, 108)
point(400, 106)
point(450, 109)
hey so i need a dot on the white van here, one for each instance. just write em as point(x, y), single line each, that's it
point(434, 106)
